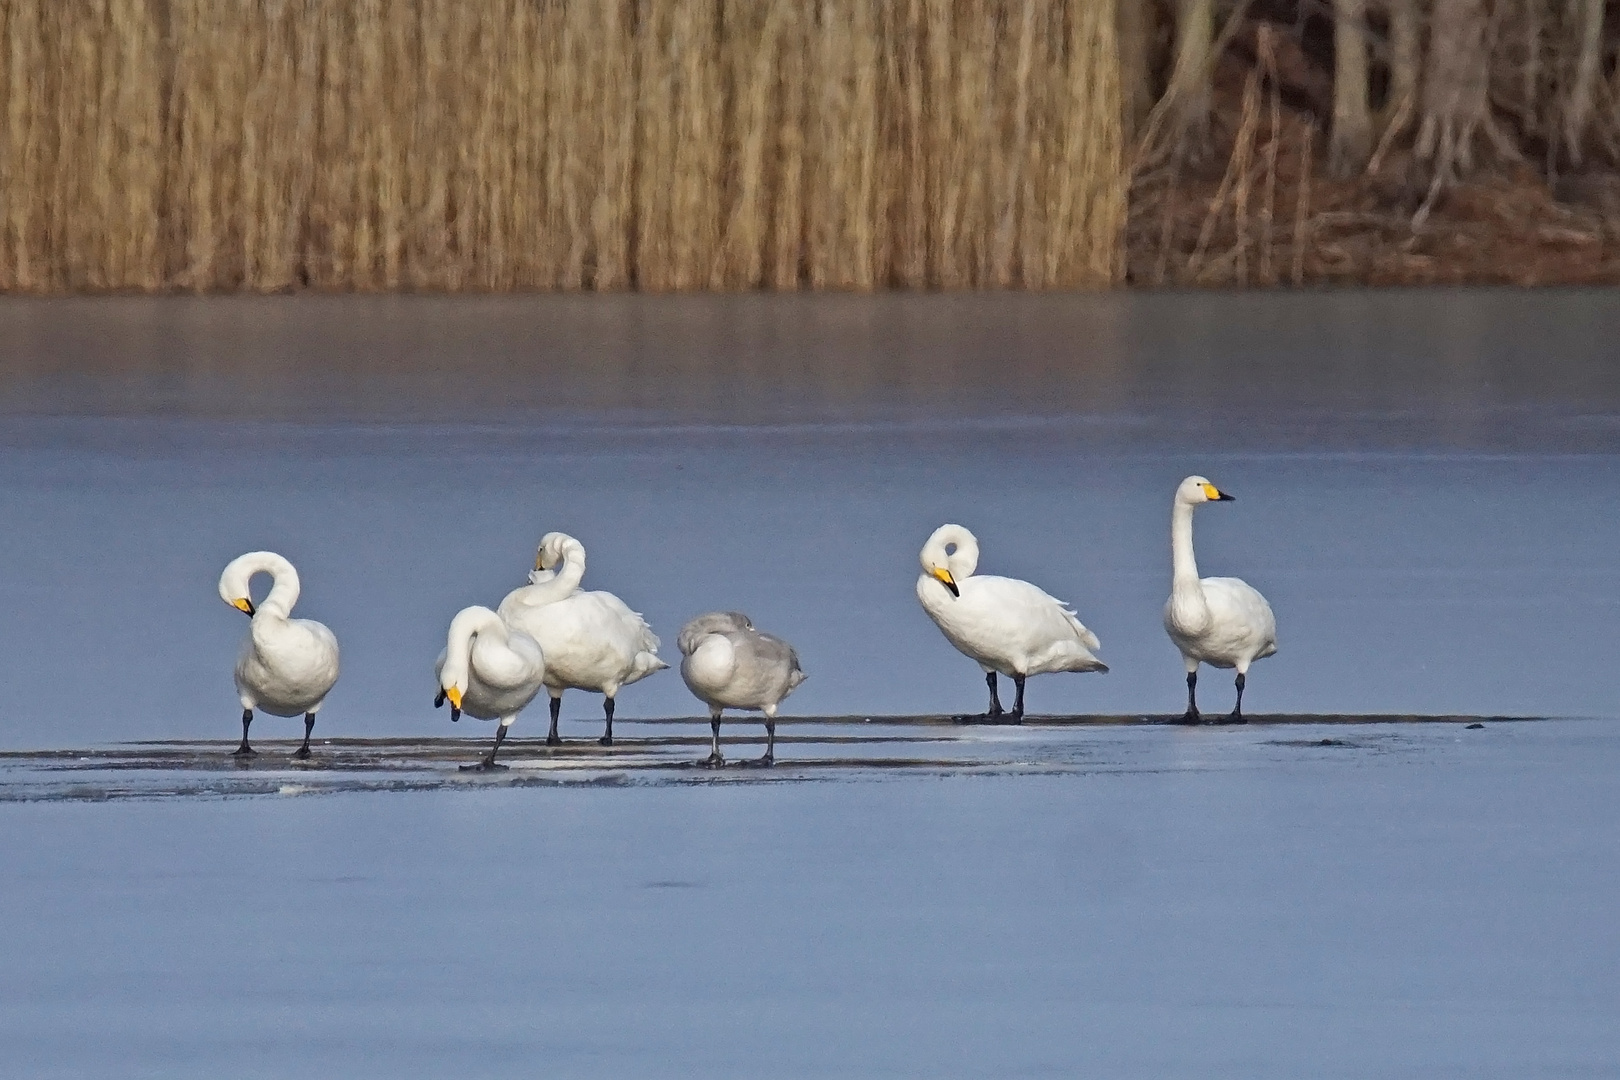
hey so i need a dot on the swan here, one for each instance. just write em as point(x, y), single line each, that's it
point(727, 664)
point(1220, 621)
point(488, 671)
point(591, 640)
point(287, 666)
point(1008, 626)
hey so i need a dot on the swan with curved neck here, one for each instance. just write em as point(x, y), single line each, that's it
point(727, 664)
point(591, 640)
point(1008, 626)
point(488, 671)
point(1223, 622)
point(287, 666)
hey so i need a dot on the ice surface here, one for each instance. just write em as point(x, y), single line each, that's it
point(1407, 901)
point(1425, 492)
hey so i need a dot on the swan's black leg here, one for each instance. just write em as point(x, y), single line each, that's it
point(245, 750)
point(1018, 701)
point(1237, 710)
point(309, 726)
point(995, 709)
point(769, 757)
point(552, 738)
point(1191, 715)
point(714, 759)
point(489, 760)
point(607, 709)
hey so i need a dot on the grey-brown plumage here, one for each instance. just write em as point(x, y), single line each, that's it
point(728, 664)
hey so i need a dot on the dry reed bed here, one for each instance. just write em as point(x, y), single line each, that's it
point(559, 144)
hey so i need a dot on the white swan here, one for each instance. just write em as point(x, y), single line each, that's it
point(488, 671)
point(727, 664)
point(591, 640)
point(287, 666)
point(1008, 626)
point(1219, 621)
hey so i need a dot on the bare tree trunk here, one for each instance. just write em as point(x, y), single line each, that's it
point(1135, 31)
point(1193, 78)
point(1455, 102)
point(1586, 19)
point(1405, 61)
point(1352, 120)
point(1535, 31)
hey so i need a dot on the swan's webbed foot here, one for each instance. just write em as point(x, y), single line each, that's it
point(606, 740)
point(1233, 718)
point(302, 753)
point(714, 761)
point(488, 764)
point(553, 739)
point(244, 751)
point(1191, 716)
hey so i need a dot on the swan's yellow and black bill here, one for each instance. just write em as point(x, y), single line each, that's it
point(244, 605)
point(454, 695)
point(1215, 494)
point(945, 578)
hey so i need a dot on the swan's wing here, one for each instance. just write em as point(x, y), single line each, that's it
point(1239, 609)
point(633, 623)
point(1042, 616)
point(714, 622)
point(766, 663)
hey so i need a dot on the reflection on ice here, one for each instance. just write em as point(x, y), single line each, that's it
point(671, 752)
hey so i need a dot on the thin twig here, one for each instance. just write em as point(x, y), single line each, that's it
point(1302, 205)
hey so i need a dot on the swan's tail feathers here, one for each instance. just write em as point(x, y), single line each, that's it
point(795, 678)
point(646, 664)
point(1101, 668)
point(1087, 638)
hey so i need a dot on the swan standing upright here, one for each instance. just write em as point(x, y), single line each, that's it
point(591, 640)
point(287, 666)
point(727, 664)
point(1223, 622)
point(1009, 626)
point(488, 671)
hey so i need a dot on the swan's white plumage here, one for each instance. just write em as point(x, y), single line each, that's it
point(495, 670)
point(1007, 625)
point(1220, 621)
point(591, 640)
point(287, 666)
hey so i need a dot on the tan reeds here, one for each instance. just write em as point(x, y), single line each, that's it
point(558, 144)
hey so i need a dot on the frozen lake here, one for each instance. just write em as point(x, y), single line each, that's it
point(1424, 491)
point(1408, 900)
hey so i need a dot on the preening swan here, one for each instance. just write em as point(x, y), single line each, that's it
point(287, 666)
point(591, 640)
point(1008, 626)
point(488, 671)
point(1219, 621)
point(728, 664)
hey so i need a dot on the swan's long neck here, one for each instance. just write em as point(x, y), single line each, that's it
point(571, 570)
point(1184, 568)
point(284, 588)
point(283, 594)
point(963, 561)
point(470, 623)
